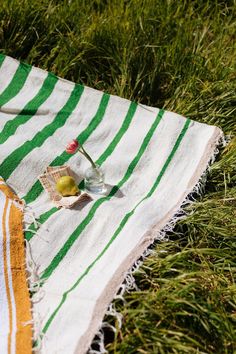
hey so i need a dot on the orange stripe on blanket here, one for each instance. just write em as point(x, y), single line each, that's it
point(4, 221)
point(23, 315)
point(8, 192)
point(13, 230)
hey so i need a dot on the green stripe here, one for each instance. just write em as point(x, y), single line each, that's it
point(125, 125)
point(74, 236)
point(2, 58)
point(64, 157)
point(14, 159)
point(30, 109)
point(121, 225)
point(16, 84)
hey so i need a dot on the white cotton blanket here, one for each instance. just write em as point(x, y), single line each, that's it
point(152, 159)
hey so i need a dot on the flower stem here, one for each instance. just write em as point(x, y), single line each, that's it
point(88, 157)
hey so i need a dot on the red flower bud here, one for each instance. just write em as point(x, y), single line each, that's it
point(72, 146)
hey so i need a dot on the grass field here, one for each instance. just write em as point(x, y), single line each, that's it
point(179, 55)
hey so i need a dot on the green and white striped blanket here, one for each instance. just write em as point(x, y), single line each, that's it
point(152, 160)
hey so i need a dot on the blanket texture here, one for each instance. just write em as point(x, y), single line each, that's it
point(152, 159)
point(15, 315)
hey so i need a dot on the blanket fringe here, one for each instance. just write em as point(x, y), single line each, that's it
point(33, 279)
point(129, 283)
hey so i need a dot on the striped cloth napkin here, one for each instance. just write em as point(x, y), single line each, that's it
point(15, 314)
point(152, 159)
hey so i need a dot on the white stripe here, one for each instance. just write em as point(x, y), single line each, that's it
point(7, 72)
point(4, 309)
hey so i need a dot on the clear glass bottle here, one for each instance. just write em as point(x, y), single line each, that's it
point(94, 180)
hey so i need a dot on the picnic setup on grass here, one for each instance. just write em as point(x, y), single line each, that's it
point(88, 181)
